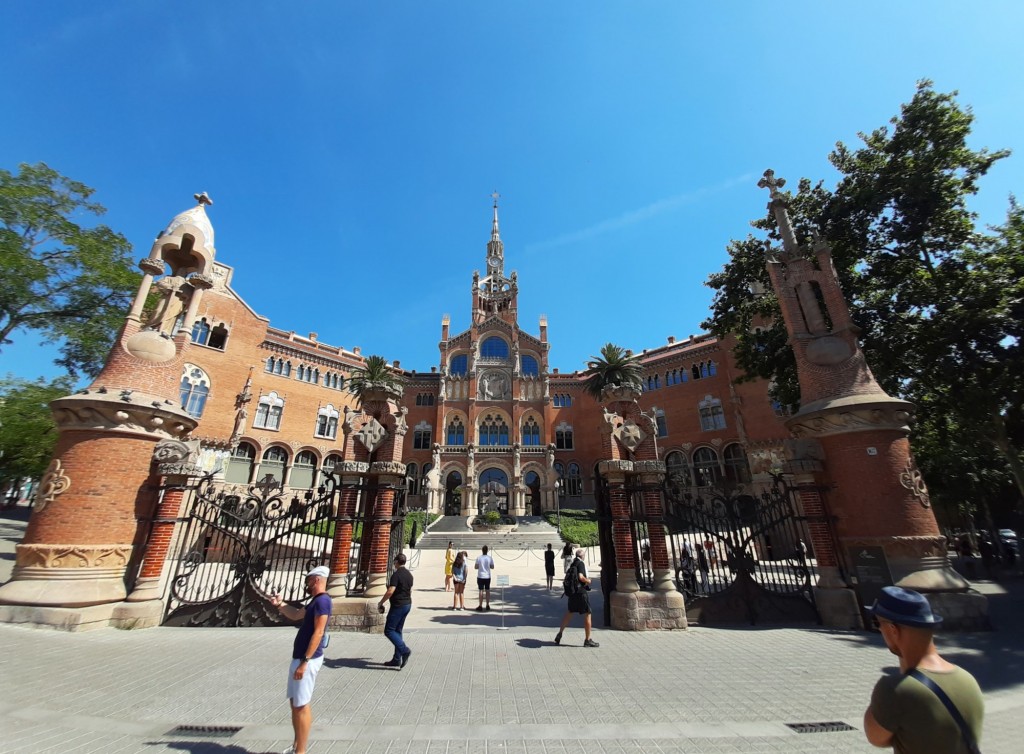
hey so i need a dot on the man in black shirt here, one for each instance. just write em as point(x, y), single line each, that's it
point(399, 593)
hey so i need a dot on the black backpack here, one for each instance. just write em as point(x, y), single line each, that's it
point(571, 582)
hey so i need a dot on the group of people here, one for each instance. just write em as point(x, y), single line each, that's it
point(456, 573)
point(932, 706)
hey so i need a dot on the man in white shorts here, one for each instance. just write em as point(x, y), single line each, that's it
point(307, 653)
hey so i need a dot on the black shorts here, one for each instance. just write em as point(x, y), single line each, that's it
point(549, 569)
point(579, 603)
point(483, 584)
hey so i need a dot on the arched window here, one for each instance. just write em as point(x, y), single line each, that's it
point(493, 430)
point(563, 436)
point(711, 415)
point(239, 468)
point(333, 380)
point(421, 436)
point(677, 470)
point(531, 433)
point(270, 364)
point(736, 467)
point(712, 368)
point(696, 372)
point(268, 411)
point(684, 375)
point(459, 365)
point(331, 461)
point(493, 480)
point(218, 338)
point(424, 399)
point(494, 348)
point(559, 469)
point(279, 366)
point(304, 471)
point(706, 470)
point(703, 369)
point(529, 366)
point(273, 463)
point(327, 422)
point(659, 420)
point(195, 389)
point(574, 482)
point(201, 331)
point(412, 480)
point(456, 432)
point(287, 369)
point(562, 400)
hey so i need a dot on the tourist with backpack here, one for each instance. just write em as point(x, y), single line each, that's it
point(576, 586)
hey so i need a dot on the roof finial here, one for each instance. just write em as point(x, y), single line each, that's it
point(494, 224)
point(203, 198)
point(778, 205)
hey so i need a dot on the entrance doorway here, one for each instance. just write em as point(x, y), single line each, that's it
point(453, 494)
point(494, 491)
point(532, 481)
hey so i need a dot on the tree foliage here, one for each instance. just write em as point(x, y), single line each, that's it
point(27, 430)
point(615, 366)
point(375, 374)
point(67, 283)
point(939, 299)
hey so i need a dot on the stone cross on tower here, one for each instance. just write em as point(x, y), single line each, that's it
point(770, 182)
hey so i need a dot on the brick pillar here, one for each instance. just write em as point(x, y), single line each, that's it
point(614, 473)
point(147, 586)
point(652, 477)
point(389, 474)
point(352, 476)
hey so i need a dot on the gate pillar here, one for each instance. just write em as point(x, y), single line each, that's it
point(351, 482)
point(74, 566)
point(652, 477)
point(879, 499)
point(389, 476)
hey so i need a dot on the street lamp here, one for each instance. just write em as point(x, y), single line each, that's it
point(559, 497)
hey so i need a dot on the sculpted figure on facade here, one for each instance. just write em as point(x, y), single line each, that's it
point(172, 303)
point(551, 456)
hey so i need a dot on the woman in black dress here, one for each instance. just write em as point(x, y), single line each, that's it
point(549, 566)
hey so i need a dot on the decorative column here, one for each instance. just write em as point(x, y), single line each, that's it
point(879, 501)
point(351, 480)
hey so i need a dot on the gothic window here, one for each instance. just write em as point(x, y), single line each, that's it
point(424, 399)
point(456, 433)
point(563, 437)
point(270, 364)
point(493, 430)
point(670, 378)
point(333, 380)
point(494, 348)
point(269, 411)
point(273, 463)
point(307, 374)
point(659, 420)
point(559, 469)
point(711, 415)
point(459, 365)
point(218, 337)
point(195, 389)
point(239, 468)
point(696, 372)
point(565, 400)
point(529, 366)
point(557, 400)
point(712, 368)
point(201, 332)
point(703, 369)
point(531, 433)
point(287, 369)
point(676, 469)
point(412, 481)
point(331, 461)
point(421, 436)
point(736, 467)
point(327, 422)
point(684, 375)
point(304, 471)
point(574, 482)
point(706, 470)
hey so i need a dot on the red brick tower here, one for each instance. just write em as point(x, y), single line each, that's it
point(83, 543)
point(878, 499)
point(634, 476)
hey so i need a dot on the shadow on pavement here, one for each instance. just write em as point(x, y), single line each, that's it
point(358, 663)
point(204, 747)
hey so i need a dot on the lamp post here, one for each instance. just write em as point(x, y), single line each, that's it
point(559, 497)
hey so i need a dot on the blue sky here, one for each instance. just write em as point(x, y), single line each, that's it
point(351, 147)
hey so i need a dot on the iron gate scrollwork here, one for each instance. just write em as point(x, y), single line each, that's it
point(740, 552)
point(235, 551)
point(363, 523)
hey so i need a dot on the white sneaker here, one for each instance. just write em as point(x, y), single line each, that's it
point(289, 750)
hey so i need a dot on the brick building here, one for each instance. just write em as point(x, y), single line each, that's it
point(492, 425)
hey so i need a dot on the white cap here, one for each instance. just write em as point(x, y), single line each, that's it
point(321, 571)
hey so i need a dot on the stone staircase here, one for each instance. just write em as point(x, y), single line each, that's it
point(532, 533)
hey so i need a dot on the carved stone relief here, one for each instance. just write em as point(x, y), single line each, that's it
point(372, 434)
point(630, 435)
point(911, 479)
point(54, 483)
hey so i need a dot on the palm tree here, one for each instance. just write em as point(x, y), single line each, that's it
point(375, 380)
point(615, 366)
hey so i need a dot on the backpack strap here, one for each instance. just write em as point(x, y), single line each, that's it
point(965, 731)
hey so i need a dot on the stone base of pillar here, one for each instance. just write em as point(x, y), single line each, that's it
point(961, 611)
point(356, 615)
point(648, 611)
point(927, 574)
point(663, 580)
point(626, 581)
point(145, 589)
point(838, 608)
point(56, 575)
point(376, 584)
point(123, 615)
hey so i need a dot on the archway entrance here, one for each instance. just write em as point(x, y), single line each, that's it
point(494, 491)
point(532, 481)
point(453, 494)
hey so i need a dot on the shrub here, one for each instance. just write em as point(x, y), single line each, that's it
point(578, 526)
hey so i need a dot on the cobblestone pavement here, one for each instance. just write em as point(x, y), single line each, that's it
point(472, 687)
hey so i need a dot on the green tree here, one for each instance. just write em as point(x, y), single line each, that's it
point(936, 297)
point(67, 283)
point(27, 431)
point(615, 366)
point(374, 376)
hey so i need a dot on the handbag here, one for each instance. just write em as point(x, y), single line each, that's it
point(965, 731)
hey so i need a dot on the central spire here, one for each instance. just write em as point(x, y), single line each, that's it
point(495, 247)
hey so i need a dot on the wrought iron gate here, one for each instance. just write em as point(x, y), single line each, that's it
point(739, 552)
point(363, 524)
point(235, 551)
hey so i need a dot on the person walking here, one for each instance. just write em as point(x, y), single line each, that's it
point(932, 706)
point(549, 566)
point(459, 574)
point(702, 567)
point(449, 558)
point(399, 594)
point(577, 586)
point(484, 566)
point(307, 653)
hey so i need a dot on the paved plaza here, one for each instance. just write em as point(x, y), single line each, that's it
point(472, 687)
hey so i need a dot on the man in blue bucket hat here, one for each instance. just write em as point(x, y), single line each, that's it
point(932, 706)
